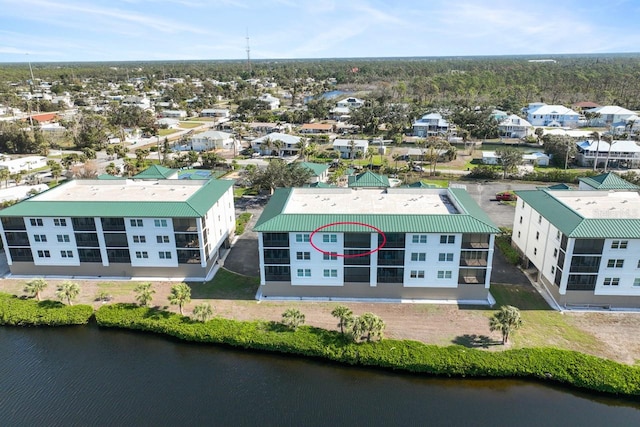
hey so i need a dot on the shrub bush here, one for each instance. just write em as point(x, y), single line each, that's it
point(15, 311)
point(504, 243)
point(567, 367)
point(241, 222)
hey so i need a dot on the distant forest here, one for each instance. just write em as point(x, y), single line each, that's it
point(506, 82)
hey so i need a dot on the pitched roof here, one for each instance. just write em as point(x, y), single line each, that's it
point(553, 109)
point(194, 206)
point(155, 172)
point(278, 136)
point(608, 181)
point(106, 176)
point(317, 126)
point(320, 185)
point(470, 218)
point(368, 179)
point(575, 225)
point(316, 168)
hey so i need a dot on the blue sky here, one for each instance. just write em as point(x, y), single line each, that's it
point(113, 30)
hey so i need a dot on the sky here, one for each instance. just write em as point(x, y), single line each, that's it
point(130, 30)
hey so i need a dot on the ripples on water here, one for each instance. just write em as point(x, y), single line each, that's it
point(87, 376)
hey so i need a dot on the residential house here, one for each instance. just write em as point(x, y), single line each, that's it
point(211, 140)
point(368, 179)
point(552, 116)
point(124, 228)
point(141, 102)
point(320, 172)
point(618, 154)
point(351, 148)
point(583, 244)
point(24, 164)
point(173, 114)
point(536, 159)
point(369, 243)
point(317, 128)
point(215, 112)
point(514, 127)
point(350, 102)
point(612, 115)
point(430, 125)
point(267, 145)
point(272, 102)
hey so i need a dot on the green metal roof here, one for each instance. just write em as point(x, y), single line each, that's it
point(106, 176)
point(316, 168)
point(561, 186)
point(471, 220)
point(608, 181)
point(368, 179)
point(420, 184)
point(195, 206)
point(155, 172)
point(575, 225)
point(320, 185)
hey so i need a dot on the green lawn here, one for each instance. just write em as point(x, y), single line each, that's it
point(523, 297)
point(165, 132)
point(189, 125)
point(226, 285)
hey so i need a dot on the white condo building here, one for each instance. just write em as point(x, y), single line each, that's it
point(395, 243)
point(121, 228)
point(584, 244)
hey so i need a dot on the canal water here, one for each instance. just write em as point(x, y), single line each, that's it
point(94, 377)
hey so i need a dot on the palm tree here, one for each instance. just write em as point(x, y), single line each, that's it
point(368, 325)
point(68, 290)
point(180, 295)
point(278, 145)
point(596, 136)
point(506, 321)
point(34, 287)
point(371, 152)
point(267, 145)
point(4, 176)
point(396, 157)
point(203, 312)
point(352, 149)
point(344, 316)
point(292, 318)
point(144, 294)
point(56, 171)
point(112, 169)
point(539, 132)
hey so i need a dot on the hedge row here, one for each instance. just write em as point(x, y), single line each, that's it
point(15, 311)
point(567, 367)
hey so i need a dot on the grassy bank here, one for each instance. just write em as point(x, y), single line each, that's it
point(566, 367)
point(15, 311)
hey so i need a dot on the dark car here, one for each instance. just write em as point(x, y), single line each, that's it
point(506, 196)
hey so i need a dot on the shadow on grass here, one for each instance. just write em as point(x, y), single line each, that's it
point(226, 285)
point(475, 341)
point(524, 297)
point(50, 304)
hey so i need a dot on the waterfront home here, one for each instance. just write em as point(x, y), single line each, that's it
point(514, 126)
point(430, 125)
point(618, 154)
point(552, 116)
point(125, 228)
point(211, 140)
point(372, 243)
point(351, 148)
point(278, 144)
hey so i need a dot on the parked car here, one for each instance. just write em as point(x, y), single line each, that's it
point(506, 196)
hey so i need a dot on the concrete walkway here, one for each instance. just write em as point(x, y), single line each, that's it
point(243, 257)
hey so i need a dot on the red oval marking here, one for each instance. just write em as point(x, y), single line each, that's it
point(376, 229)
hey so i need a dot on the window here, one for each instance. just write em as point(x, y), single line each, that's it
point(40, 237)
point(162, 239)
point(444, 274)
point(418, 256)
point(523, 203)
point(329, 238)
point(619, 244)
point(445, 257)
point(59, 222)
point(537, 235)
point(535, 251)
point(164, 255)
point(555, 253)
point(142, 254)
point(539, 219)
point(135, 222)
point(160, 222)
point(36, 222)
point(638, 266)
point(330, 256)
point(447, 239)
point(66, 254)
point(520, 220)
point(303, 256)
point(304, 272)
point(518, 234)
point(615, 263)
point(417, 274)
point(139, 239)
point(302, 237)
point(611, 281)
point(44, 254)
point(63, 238)
point(330, 272)
point(636, 281)
point(419, 238)
point(558, 235)
point(553, 269)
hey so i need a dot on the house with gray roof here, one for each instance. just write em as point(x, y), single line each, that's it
point(121, 228)
point(430, 125)
point(552, 116)
point(394, 244)
point(618, 154)
point(584, 245)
